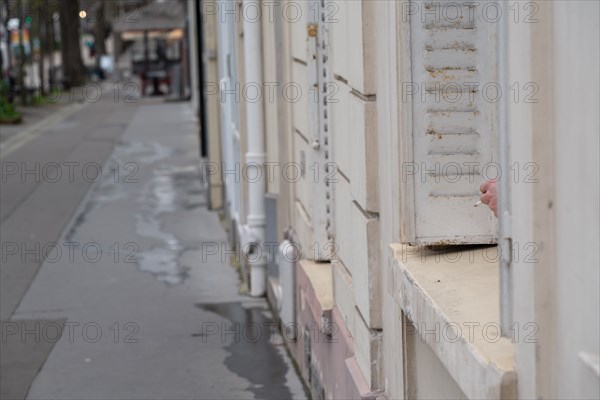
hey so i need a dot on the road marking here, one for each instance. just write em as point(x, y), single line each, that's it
point(19, 140)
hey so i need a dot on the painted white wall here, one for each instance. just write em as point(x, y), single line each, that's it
point(569, 32)
point(577, 103)
point(520, 136)
point(210, 58)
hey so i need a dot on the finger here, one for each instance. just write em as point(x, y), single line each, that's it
point(484, 187)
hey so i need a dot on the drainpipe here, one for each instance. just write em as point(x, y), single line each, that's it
point(255, 157)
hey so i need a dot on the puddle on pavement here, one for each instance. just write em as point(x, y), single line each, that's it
point(145, 152)
point(118, 169)
point(253, 356)
point(171, 189)
point(163, 264)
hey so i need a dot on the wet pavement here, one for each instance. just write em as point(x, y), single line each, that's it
point(132, 304)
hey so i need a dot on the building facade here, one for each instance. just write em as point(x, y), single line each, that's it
point(347, 141)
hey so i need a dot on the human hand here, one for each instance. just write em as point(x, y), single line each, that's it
point(489, 195)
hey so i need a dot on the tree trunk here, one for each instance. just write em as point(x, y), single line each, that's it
point(100, 31)
point(51, 45)
point(72, 65)
point(41, 33)
point(22, 93)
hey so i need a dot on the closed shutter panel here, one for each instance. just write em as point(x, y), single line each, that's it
point(454, 98)
point(230, 112)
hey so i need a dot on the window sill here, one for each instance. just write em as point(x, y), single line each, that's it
point(316, 282)
point(453, 299)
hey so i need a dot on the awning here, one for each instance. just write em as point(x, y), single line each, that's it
point(175, 34)
point(139, 35)
point(165, 15)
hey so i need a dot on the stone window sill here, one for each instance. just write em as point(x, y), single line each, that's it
point(317, 282)
point(452, 299)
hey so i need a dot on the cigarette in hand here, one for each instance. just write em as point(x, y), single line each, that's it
point(477, 204)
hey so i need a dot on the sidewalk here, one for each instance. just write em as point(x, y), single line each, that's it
point(32, 115)
point(147, 313)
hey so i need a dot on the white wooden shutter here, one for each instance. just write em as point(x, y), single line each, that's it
point(229, 111)
point(453, 95)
